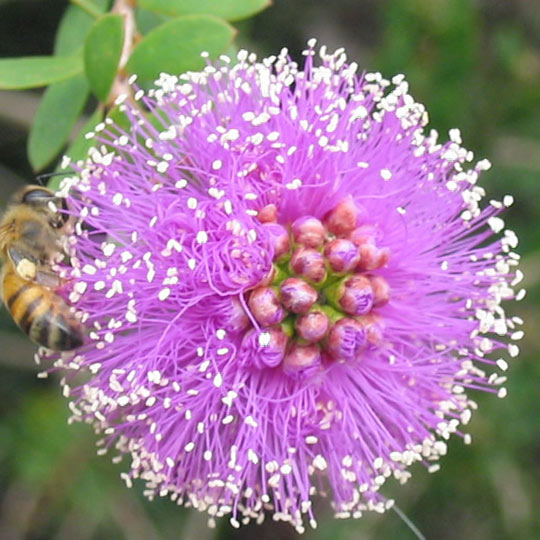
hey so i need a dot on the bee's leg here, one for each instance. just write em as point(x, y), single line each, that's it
point(27, 269)
point(25, 263)
point(48, 278)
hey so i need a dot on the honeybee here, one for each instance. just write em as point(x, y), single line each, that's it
point(30, 239)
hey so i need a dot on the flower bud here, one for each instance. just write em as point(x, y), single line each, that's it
point(346, 340)
point(309, 264)
point(344, 217)
point(266, 346)
point(373, 327)
point(342, 255)
point(302, 360)
point(381, 290)
point(366, 234)
point(297, 296)
point(312, 326)
point(309, 232)
point(268, 214)
point(269, 277)
point(357, 296)
point(236, 318)
point(372, 257)
point(279, 239)
point(265, 307)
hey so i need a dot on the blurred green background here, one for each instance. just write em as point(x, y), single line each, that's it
point(476, 66)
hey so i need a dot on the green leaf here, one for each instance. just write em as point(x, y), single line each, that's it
point(176, 46)
point(74, 27)
point(89, 6)
point(102, 51)
point(147, 20)
point(119, 118)
point(35, 71)
point(79, 147)
point(58, 111)
point(231, 10)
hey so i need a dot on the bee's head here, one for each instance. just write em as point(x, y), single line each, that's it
point(46, 202)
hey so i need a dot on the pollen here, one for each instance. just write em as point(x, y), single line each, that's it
point(164, 294)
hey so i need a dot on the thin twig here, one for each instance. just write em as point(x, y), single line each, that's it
point(120, 84)
point(414, 529)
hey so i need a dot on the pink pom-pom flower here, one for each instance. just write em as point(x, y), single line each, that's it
point(288, 283)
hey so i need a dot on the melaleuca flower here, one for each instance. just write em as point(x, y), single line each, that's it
point(289, 286)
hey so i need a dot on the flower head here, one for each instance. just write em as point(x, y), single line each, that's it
point(287, 284)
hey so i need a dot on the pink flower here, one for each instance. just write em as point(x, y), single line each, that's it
point(288, 283)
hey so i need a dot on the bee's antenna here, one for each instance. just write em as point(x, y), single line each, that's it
point(42, 178)
point(414, 529)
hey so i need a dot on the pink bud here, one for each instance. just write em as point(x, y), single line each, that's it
point(344, 217)
point(346, 340)
point(268, 214)
point(302, 358)
point(309, 264)
point(265, 307)
point(357, 296)
point(373, 327)
point(279, 239)
point(372, 257)
point(309, 232)
point(312, 326)
point(366, 234)
point(381, 290)
point(342, 255)
point(297, 296)
point(236, 318)
point(268, 277)
point(266, 346)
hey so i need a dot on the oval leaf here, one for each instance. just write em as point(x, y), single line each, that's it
point(102, 51)
point(148, 20)
point(231, 10)
point(58, 111)
point(176, 46)
point(74, 27)
point(35, 71)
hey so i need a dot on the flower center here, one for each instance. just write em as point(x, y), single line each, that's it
point(317, 304)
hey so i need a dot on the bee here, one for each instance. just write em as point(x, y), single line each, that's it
point(31, 231)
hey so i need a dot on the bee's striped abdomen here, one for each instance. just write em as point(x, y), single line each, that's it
point(40, 313)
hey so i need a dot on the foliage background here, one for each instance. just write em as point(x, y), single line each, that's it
point(476, 65)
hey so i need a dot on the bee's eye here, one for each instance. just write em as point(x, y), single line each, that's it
point(37, 196)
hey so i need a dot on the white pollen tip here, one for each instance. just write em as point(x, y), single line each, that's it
point(502, 364)
point(508, 200)
point(164, 294)
point(264, 339)
point(202, 237)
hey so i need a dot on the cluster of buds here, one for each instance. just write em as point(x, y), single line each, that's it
point(316, 306)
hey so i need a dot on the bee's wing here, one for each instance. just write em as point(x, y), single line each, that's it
point(18, 255)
